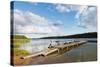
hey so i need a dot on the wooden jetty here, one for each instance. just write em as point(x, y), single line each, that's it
point(45, 53)
point(56, 48)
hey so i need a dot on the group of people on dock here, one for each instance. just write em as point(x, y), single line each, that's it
point(53, 43)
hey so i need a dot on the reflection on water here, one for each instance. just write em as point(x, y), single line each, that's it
point(40, 44)
point(85, 52)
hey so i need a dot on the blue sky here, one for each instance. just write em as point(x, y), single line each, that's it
point(37, 19)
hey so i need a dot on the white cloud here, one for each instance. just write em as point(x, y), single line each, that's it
point(62, 8)
point(28, 22)
point(81, 10)
point(33, 3)
point(26, 29)
point(26, 17)
point(86, 16)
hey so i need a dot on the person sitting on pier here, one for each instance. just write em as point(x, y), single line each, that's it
point(58, 43)
point(50, 46)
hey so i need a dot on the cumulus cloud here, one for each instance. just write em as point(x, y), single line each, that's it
point(28, 22)
point(62, 8)
point(86, 16)
point(27, 17)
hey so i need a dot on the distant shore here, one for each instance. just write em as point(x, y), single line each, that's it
point(83, 35)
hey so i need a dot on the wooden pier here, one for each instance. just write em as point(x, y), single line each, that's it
point(56, 48)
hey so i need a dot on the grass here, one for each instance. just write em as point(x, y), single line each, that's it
point(16, 42)
point(20, 51)
point(19, 37)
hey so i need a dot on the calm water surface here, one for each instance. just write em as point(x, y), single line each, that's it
point(85, 52)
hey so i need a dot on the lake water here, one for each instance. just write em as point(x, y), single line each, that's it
point(85, 52)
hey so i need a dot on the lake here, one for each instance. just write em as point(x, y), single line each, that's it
point(85, 52)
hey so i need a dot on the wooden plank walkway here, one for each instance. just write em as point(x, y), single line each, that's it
point(70, 44)
point(45, 53)
point(53, 49)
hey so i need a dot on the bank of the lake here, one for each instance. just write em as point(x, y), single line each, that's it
point(16, 52)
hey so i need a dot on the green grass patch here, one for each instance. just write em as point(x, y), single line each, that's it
point(18, 51)
point(16, 42)
point(19, 37)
